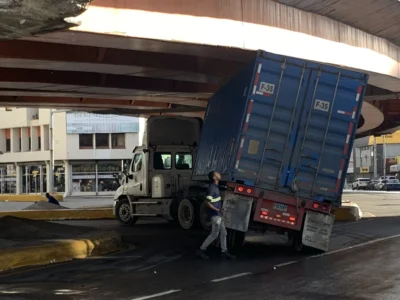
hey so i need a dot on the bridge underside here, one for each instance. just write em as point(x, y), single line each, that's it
point(122, 73)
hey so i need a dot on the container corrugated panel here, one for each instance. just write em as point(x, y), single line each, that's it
point(284, 124)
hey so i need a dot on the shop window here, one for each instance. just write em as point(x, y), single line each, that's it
point(118, 140)
point(86, 141)
point(83, 178)
point(31, 179)
point(102, 141)
point(106, 182)
point(59, 179)
point(8, 180)
point(162, 161)
point(183, 161)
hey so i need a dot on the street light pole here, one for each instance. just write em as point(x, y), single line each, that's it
point(51, 148)
point(384, 156)
point(375, 160)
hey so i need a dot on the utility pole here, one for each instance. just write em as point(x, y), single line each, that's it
point(51, 148)
point(384, 155)
point(375, 159)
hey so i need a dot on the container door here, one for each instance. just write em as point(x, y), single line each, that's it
point(326, 128)
point(271, 126)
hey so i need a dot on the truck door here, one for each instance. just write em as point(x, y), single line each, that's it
point(137, 184)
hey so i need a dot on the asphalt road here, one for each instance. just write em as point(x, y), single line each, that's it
point(361, 264)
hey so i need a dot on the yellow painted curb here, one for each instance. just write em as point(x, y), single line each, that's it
point(62, 214)
point(28, 198)
point(59, 251)
point(348, 212)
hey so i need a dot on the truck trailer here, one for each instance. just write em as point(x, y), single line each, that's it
point(280, 133)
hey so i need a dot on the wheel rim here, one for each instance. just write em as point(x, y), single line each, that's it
point(125, 212)
point(186, 214)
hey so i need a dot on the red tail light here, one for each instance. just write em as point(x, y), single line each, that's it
point(325, 207)
point(265, 213)
point(316, 205)
point(249, 191)
point(292, 219)
point(240, 189)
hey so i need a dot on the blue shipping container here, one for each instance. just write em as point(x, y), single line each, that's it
point(283, 124)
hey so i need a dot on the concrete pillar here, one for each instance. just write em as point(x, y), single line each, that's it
point(44, 135)
point(18, 173)
point(48, 180)
point(24, 139)
point(15, 136)
point(3, 140)
point(34, 138)
point(68, 178)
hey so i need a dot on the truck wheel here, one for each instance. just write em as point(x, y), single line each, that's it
point(235, 240)
point(123, 213)
point(204, 217)
point(186, 214)
point(296, 241)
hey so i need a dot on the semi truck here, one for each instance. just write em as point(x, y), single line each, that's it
point(280, 133)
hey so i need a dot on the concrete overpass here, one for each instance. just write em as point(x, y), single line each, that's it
point(169, 56)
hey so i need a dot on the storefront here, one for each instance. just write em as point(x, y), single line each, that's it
point(34, 179)
point(59, 179)
point(91, 178)
point(8, 179)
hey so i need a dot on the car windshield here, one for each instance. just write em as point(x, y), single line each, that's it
point(365, 180)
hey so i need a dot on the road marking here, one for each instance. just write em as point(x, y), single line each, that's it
point(157, 295)
point(286, 264)
point(231, 277)
point(349, 223)
point(167, 260)
point(356, 246)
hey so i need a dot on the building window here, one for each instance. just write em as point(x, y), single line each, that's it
point(162, 161)
point(102, 141)
point(8, 179)
point(31, 179)
point(118, 140)
point(83, 178)
point(105, 175)
point(86, 141)
point(183, 161)
point(29, 144)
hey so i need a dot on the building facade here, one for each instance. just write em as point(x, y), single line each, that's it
point(86, 150)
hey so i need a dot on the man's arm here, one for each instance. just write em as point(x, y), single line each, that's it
point(209, 199)
point(209, 204)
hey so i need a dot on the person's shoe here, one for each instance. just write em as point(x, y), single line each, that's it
point(227, 255)
point(202, 254)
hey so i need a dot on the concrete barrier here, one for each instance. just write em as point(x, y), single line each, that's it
point(59, 251)
point(28, 198)
point(62, 214)
point(349, 211)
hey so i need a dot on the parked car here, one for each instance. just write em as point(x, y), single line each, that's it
point(391, 185)
point(371, 185)
point(360, 183)
point(380, 184)
point(387, 177)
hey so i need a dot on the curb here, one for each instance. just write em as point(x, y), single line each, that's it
point(59, 251)
point(62, 214)
point(348, 212)
point(28, 198)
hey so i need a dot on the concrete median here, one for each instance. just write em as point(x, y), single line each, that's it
point(28, 198)
point(26, 243)
point(349, 211)
point(58, 251)
point(62, 214)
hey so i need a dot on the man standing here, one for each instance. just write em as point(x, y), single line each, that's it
point(214, 204)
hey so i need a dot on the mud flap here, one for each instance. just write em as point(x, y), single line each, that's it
point(317, 230)
point(237, 211)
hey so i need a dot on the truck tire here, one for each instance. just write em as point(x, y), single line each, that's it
point(296, 241)
point(187, 214)
point(123, 213)
point(235, 240)
point(205, 220)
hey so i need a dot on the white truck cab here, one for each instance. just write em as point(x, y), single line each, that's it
point(158, 182)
